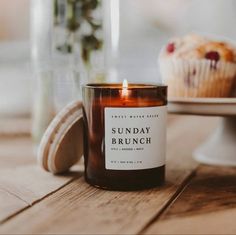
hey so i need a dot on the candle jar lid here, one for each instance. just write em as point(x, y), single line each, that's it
point(62, 143)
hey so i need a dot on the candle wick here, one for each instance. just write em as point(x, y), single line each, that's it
point(125, 88)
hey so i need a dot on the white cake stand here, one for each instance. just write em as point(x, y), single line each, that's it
point(220, 147)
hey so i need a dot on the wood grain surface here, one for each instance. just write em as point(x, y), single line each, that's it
point(192, 195)
point(28, 185)
point(206, 206)
point(212, 189)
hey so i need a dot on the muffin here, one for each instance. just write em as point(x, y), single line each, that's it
point(195, 66)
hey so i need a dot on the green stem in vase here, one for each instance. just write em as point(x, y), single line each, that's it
point(74, 15)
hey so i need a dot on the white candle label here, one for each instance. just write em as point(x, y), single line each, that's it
point(135, 138)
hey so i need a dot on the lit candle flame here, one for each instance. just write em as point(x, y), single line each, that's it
point(125, 88)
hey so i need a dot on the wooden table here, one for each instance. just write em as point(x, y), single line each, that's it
point(196, 199)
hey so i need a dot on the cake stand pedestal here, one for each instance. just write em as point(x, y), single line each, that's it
point(220, 147)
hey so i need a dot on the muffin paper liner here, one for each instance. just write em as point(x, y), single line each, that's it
point(197, 78)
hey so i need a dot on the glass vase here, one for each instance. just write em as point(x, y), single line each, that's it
point(72, 42)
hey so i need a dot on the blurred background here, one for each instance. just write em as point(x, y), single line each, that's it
point(135, 30)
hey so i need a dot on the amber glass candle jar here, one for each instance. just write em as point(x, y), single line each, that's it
point(124, 135)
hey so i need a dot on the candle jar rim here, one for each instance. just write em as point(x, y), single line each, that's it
point(119, 86)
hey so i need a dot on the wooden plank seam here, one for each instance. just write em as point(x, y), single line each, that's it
point(35, 202)
point(174, 197)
